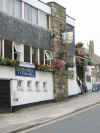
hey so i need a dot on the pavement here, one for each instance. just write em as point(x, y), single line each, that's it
point(42, 113)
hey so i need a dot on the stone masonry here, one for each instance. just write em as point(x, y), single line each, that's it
point(58, 20)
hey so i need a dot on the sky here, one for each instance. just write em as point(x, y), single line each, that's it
point(87, 25)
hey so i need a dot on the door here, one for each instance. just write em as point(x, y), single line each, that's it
point(4, 94)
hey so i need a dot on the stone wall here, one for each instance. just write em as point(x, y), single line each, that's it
point(58, 20)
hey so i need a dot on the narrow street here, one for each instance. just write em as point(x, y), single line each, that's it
point(87, 121)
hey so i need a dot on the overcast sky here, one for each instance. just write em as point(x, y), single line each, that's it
point(86, 13)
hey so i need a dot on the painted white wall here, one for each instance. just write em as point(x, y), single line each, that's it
point(30, 94)
point(73, 88)
point(39, 5)
point(6, 72)
point(89, 84)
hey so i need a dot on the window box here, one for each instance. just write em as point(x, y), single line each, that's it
point(9, 62)
point(45, 68)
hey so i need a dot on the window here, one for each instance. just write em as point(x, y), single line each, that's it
point(9, 7)
point(34, 55)
point(28, 13)
point(18, 9)
point(8, 49)
point(42, 19)
point(0, 48)
point(1, 5)
point(34, 16)
point(26, 53)
point(41, 56)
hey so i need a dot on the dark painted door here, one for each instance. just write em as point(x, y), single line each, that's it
point(4, 93)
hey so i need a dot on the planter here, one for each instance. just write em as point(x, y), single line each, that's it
point(9, 62)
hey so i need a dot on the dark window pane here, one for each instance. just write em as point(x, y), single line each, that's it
point(34, 55)
point(26, 54)
point(41, 56)
point(8, 49)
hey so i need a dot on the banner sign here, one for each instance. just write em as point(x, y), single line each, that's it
point(67, 37)
point(25, 72)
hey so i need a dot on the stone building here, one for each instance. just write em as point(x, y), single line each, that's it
point(63, 46)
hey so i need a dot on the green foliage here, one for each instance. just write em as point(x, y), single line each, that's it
point(45, 68)
point(9, 62)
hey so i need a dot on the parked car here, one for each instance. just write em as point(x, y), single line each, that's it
point(96, 87)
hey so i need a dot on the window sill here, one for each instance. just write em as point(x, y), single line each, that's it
point(27, 64)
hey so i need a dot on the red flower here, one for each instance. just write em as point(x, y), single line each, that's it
point(59, 63)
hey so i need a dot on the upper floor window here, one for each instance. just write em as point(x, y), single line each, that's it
point(1, 5)
point(18, 9)
point(11, 7)
point(42, 19)
point(30, 14)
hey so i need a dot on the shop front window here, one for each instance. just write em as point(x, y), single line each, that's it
point(26, 53)
point(8, 49)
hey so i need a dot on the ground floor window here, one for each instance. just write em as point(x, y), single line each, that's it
point(0, 48)
point(34, 55)
point(8, 49)
point(41, 56)
point(26, 53)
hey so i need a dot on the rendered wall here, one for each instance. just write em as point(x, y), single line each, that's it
point(28, 95)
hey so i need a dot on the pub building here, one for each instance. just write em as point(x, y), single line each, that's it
point(25, 40)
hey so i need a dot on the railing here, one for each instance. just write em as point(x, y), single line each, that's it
point(70, 20)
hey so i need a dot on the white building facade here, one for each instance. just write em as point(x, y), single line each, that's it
point(25, 45)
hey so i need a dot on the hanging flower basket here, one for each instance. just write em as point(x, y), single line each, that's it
point(79, 45)
point(59, 63)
